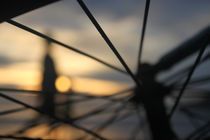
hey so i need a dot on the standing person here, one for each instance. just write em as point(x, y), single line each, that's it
point(49, 76)
point(47, 96)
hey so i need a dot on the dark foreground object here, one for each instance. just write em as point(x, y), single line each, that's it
point(11, 8)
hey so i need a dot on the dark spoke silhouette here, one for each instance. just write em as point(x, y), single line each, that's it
point(110, 121)
point(22, 91)
point(187, 80)
point(199, 130)
point(51, 116)
point(63, 45)
point(95, 112)
point(109, 43)
point(20, 138)
point(7, 112)
point(183, 72)
point(146, 11)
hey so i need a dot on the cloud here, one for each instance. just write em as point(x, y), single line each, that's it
point(169, 23)
point(6, 61)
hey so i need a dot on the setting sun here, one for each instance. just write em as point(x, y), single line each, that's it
point(63, 84)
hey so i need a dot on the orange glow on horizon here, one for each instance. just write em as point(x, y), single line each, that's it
point(20, 77)
point(98, 87)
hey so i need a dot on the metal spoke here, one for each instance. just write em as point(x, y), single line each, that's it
point(109, 43)
point(139, 126)
point(108, 122)
point(63, 45)
point(109, 97)
point(187, 81)
point(21, 90)
point(95, 112)
point(52, 116)
point(27, 126)
point(181, 73)
point(199, 130)
point(20, 138)
point(200, 80)
point(12, 111)
point(146, 11)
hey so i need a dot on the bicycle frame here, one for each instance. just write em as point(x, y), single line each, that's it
point(153, 92)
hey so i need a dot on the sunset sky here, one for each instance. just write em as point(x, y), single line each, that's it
point(169, 23)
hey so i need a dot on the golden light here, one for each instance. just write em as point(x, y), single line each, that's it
point(63, 84)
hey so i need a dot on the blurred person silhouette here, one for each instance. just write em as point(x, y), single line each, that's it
point(46, 98)
point(49, 76)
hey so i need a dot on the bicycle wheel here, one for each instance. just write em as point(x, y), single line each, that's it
point(107, 116)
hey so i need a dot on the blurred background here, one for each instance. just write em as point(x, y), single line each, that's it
point(169, 24)
point(22, 53)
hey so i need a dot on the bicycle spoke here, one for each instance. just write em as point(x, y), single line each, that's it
point(72, 101)
point(121, 92)
point(192, 116)
point(181, 73)
point(194, 90)
point(20, 138)
point(135, 132)
point(123, 117)
point(109, 97)
point(139, 125)
point(53, 126)
point(199, 130)
point(95, 112)
point(63, 45)
point(87, 97)
point(101, 109)
point(21, 90)
point(203, 134)
point(184, 50)
point(12, 111)
point(33, 124)
point(187, 81)
point(52, 116)
point(109, 43)
point(146, 11)
point(200, 80)
point(108, 122)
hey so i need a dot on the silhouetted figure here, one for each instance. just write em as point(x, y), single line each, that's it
point(47, 97)
point(152, 92)
point(49, 76)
